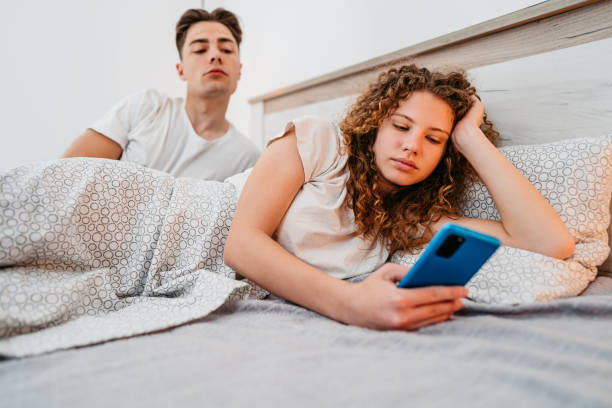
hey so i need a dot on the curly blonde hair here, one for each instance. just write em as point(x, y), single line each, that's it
point(402, 218)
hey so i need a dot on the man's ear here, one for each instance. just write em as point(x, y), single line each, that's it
point(240, 71)
point(179, 70)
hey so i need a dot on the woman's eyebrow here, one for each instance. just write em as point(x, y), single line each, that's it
point(404, 116)
point(440, 130)
point(411, 120)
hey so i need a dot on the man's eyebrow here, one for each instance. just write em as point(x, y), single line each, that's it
point(206, 41)
point(225, 40)
point(411, 120)
point(199, 40)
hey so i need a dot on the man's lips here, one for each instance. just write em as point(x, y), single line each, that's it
point(404, 164)
point(216, 72)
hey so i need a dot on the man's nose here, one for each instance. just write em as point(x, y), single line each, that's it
point(215, 56)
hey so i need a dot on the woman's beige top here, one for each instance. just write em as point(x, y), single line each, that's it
point(318, 228)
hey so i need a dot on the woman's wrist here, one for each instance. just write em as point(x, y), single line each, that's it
point(339, 303)
point(469, 138)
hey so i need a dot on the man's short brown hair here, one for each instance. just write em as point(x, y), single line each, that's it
point(219, 15)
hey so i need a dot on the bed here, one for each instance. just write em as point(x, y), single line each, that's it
point(545, 81)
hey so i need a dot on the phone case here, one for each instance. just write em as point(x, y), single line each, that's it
point(452, 257)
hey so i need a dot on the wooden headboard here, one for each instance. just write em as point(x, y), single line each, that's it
point(552, 58)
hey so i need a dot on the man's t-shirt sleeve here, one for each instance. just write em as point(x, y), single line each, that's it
point(118, 122)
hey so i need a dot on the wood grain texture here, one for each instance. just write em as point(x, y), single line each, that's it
point(502, 39)
point(556, 95)
point(514, 19)
point(542, 98)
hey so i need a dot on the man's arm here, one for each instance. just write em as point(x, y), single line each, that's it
point(94, 144)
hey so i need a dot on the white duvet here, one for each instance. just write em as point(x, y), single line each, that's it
point(92, 250)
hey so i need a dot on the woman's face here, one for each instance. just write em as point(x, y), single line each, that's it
point(410, 143)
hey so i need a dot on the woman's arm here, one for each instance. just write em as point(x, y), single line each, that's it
point(527, 220)
point(376, 302)
point(93, 144)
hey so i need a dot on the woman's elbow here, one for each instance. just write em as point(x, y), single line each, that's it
point(569, 246)
point(564, 247)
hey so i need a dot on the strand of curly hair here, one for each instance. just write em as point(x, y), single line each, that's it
point(402, 218)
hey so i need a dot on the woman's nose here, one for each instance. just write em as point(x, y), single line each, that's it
point(412, 143)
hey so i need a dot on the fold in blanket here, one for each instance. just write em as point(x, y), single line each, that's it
point(92, 250)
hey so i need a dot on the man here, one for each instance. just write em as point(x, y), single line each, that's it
point(184, 137)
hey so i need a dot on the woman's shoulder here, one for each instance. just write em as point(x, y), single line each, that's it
point(319, 144)
point(308, 128)
point(315, 123)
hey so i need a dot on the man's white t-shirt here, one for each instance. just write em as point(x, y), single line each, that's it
point(155, 131)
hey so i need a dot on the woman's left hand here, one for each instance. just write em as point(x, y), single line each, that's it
point(469, 126)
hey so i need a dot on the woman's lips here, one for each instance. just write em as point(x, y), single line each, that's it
point(405, 165)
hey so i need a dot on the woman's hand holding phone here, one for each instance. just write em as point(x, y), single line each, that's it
point(378, 303)
point(394, 298)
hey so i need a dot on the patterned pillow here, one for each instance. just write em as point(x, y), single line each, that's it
point(575, 176)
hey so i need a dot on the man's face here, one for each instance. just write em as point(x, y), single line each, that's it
point(211, 62)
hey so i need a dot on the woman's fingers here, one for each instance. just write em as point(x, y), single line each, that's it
point(431, 311)
point(429, 322)
point(414, 317)
point(476, 110)
point(393, 272)
point(434, 294)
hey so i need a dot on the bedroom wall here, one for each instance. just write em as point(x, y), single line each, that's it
point(286, 42)
point(65, 62)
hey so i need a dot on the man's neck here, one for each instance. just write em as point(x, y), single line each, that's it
point(207, 116)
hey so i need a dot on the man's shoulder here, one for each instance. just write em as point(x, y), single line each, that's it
point(159, 97)
point(153, 98)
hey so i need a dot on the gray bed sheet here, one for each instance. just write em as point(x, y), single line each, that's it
point(273, 353)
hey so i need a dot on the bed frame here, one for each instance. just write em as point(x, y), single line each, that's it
point(530, 68)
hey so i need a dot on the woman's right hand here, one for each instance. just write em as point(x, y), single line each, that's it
point(378, 303)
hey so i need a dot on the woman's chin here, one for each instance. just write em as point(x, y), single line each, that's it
point(400, 180)
point(394, 183)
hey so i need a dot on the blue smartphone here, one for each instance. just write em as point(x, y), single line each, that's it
point(452, 257)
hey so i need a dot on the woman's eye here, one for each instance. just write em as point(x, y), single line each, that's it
point(400, 127)
point(433, 140)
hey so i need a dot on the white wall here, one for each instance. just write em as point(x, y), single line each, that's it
point(65, 62)
point(285, 42)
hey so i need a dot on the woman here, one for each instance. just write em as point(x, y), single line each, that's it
point(320, 206)
point(343, 200)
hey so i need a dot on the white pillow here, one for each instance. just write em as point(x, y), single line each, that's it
point(575, 176)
